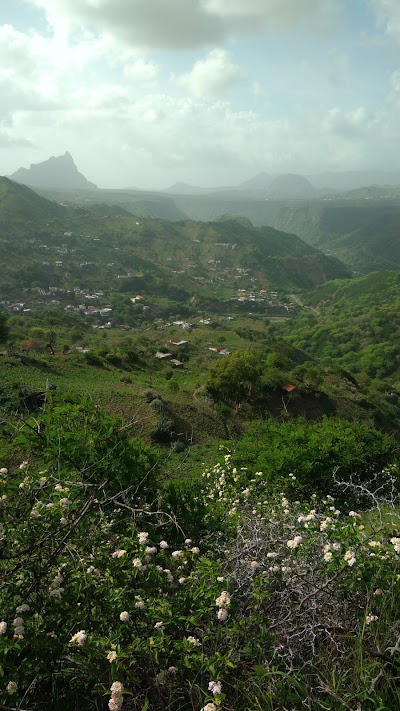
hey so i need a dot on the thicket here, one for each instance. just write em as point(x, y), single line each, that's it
point(121, 590)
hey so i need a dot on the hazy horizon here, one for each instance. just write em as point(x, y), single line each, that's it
point(148, 93)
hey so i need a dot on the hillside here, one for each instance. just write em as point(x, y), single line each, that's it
point(207, 261)
point(135, 202)
point(356, 324)
point(18, 203)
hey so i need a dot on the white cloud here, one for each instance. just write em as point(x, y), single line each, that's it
point(141, 69)
point(211, 76)
point(388, 15)
point(188, 24)
point(349, 124)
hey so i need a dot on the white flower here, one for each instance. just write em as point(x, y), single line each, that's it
point(220, 579)
point(209, 707)
point(139, 604)
point(3, 627)
point(172, 670)
point(324, 524)
point(63, 521)
point(396, 544)
point(143, 536)
point(188, 541)
point(117, 688)
point(294, 542)
point(23, 465)
point(23, 608)
point(19, 631)
point(158, 625)
point(18, 622)
point(181, 581)
point(354, 514)
point(214, 687)
point(58, 487)
point(79, 638)
point(111, 656)
point(50, 506)
point(163, 545)
point(12, 687)
point(150, 550)
point(193, 641)
point(3, 470)
point(328, 556)
point(115, 703)
point(177, 554)
point(370, 618)
point(254, 564)
point(124, 616)
point(195, 550)
point(350, 558)
point(137, 563)
point(223, 600)
point(64, 503)
point(222, 614)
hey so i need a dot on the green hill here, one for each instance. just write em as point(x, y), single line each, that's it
point(74, 246)
point(19, 203)
point(357, 327)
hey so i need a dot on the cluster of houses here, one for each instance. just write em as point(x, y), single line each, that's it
point(270, 298)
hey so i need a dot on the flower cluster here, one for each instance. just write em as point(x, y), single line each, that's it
point(116, 700)
point(19, 629)
point(55, 589)
point(79, 638)
point(222, 602)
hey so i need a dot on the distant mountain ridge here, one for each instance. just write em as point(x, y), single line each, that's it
point(56, 172)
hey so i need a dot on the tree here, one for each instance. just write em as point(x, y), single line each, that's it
point(4, 330)
point(237, 376)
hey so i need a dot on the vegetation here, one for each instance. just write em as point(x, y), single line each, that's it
point(199, 470)
point(107, 602)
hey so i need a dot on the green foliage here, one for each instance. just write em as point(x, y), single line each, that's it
point(315, 453)
point(238, 376)
point(105, 595)
point(79, 435)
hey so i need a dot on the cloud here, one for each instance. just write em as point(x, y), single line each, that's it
point(141, 70)
point(388, 16)
point(188, 24)
point(156, 24)
point(213, 75)
point(353, 124)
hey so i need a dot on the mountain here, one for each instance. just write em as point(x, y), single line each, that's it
point(261, 181)
point(56, 172)
point(352, 179)
point(19, 203)
point(292, 187)
point(186, 189)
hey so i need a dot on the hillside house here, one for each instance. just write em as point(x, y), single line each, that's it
point(177, 342)
point(163, 356)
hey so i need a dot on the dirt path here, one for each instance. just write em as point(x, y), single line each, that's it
point(300, 303)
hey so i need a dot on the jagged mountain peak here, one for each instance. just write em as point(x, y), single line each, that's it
point(55, 172)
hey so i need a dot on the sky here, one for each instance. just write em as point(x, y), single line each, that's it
point(145, 93)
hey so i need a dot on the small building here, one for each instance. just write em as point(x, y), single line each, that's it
point(177, 363)
point(288, 388)
point(177, 342)
point(163, 356)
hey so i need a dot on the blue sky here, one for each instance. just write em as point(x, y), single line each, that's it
point(148, 92)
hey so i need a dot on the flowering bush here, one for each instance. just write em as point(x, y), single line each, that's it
point(106, 602)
